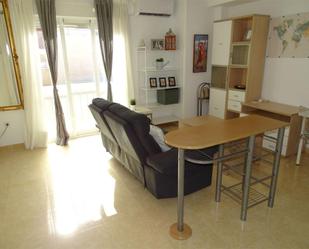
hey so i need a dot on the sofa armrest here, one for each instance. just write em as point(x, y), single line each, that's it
point(166, 162)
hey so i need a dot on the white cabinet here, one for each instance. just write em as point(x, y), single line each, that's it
point(237, 95)
point(217, 102)
point(234, 105)
point(221, 43)
point(270, 144)
point(235, 98)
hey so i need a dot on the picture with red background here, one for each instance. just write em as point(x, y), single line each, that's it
point(200, 53)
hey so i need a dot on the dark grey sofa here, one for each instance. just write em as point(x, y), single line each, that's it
point(125, 134)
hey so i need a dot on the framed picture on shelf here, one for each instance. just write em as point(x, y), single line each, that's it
point(171, 81)
point(162, 82)
point(153, 82)
point(200, 45)
point(157, 44)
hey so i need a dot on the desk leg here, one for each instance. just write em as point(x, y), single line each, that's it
point(219, 173)
point(276, 165)
point(180, 230)
point(246, 184)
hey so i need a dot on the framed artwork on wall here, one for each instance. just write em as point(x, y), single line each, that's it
point(200, 45)
point(171, 81)
point(157, 44)
point(162, 82)
point(153, 82)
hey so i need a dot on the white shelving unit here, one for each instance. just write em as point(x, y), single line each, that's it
point(147, 96)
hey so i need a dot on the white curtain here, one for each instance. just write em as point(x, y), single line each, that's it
point(122, 85)
point(26, 42)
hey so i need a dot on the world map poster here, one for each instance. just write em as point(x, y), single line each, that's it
point(289, 36)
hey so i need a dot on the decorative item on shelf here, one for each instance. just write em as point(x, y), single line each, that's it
point(162, 82)
point(168, 96)
point(170, 40)
point(157, 44)
point(153, 82)
point(171, 81)
point(200, 53)
point(248, 34)
point(160, 63)
point(240, 86)
point(132, 104)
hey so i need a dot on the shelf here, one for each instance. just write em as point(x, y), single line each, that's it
point(238, 66)
point(237, 112)
point(164, 119)
point(216, 87)
point(153, 69)
point(157, 105)
point(241, 28)
point(141, 49)
point(144, 49)
point(235, 192)
point(241, 43)
point(159, 88)
point(236, 89)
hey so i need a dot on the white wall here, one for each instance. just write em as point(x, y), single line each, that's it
point(77, 8)
point(15, 131)
point(155, 27)
point(285, 79)
point(199, 20)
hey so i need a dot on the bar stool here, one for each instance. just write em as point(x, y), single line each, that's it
point(304, 113)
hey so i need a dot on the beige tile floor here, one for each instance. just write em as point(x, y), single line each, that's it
point(79, 197)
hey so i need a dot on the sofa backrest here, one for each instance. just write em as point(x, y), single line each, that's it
point(125, 136)
point(97, 108)
point(130, 130)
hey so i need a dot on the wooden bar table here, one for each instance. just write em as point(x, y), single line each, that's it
point(208, 131)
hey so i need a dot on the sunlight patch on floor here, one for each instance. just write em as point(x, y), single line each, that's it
point(81, 189)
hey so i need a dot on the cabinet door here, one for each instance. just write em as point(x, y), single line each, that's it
point(217, 101)
point(221, 43)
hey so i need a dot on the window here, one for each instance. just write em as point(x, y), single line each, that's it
point(80, 75)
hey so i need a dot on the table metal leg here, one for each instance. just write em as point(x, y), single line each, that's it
point(180, 230)
point(301, 141)
point(219, 173)
point(180, 201)
point(246, 185)
point(275, 171)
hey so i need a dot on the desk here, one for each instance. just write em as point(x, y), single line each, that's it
point(217, 132)
point(286, 113)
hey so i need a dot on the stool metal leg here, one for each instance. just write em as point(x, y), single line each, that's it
point(276, 165)
point(246, 186)
point(301, 141)
point(219, 173)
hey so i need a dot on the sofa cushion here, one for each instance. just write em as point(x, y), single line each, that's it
point(158, 135)
point(166, 162)
point(125, 136)
point(140, 124)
